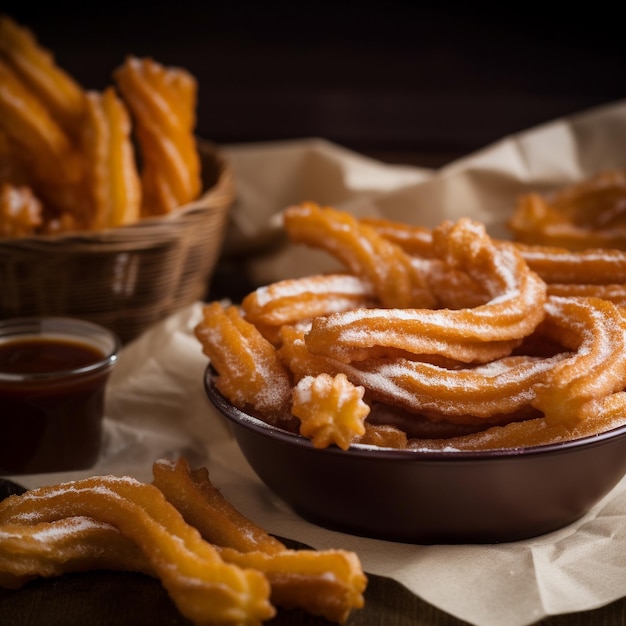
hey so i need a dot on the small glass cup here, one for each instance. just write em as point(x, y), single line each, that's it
point(53, 376)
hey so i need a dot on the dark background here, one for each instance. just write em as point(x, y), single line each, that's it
point(405, 82)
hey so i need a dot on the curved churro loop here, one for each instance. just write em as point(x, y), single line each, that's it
point(477, 334)
point(162, 101)
point(249, 371)
point(595, 330)
point(394, 276)
point(57, 90)
point(300, 299)
point(204, 587)
point(113, 181)
point(598, 416)
point(498, 391)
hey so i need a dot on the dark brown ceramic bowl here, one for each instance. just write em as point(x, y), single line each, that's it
point(430, 497)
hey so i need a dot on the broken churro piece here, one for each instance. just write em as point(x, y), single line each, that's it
point(330, 409)
point(20, 211)
point(329, 583)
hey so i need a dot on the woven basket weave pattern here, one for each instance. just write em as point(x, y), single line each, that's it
point(124, 278)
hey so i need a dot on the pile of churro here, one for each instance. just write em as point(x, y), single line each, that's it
point(431, 339)
point(69, 157)
point(582, 216)
point(217, 565)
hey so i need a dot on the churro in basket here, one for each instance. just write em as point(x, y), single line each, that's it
point(163, 103)
point(111, 209)
point(75, 148)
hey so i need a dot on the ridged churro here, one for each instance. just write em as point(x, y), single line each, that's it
point(205, 588)
point(329, 583)
point(396, 280)
point(474, 334)
point(250, 373)
point(162, 101)
point(216, 564)
point(114, 188)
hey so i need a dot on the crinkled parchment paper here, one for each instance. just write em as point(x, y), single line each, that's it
point(156, 404)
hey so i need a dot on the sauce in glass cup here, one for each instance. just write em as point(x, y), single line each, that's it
point(53, 376)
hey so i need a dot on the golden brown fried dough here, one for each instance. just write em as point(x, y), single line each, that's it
point(114, 189)
point(330, 409)
point(162, 101)
point(328, 583)
point(396, 280)
point(249, 371)
point(62, 96)
point(205, 588)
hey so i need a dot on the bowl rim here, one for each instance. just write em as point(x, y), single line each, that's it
point(250, 422)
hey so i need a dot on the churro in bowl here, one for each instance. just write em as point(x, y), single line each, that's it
point(440, 365)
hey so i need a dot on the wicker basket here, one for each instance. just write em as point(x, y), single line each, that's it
point(123, 278)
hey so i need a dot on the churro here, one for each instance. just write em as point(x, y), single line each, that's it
point(396, 280)
point(205, 588)
point(478, 334)
point(58, 91)
point(495, 392)
point(28, 124)
point(249, 371)
point(327, 582)
point(114, 196)
point(162, 101)
point(587, 214)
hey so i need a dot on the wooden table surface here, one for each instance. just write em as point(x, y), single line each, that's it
point(401, 82)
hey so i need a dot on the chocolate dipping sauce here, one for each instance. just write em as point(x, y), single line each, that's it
point(52, 389)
